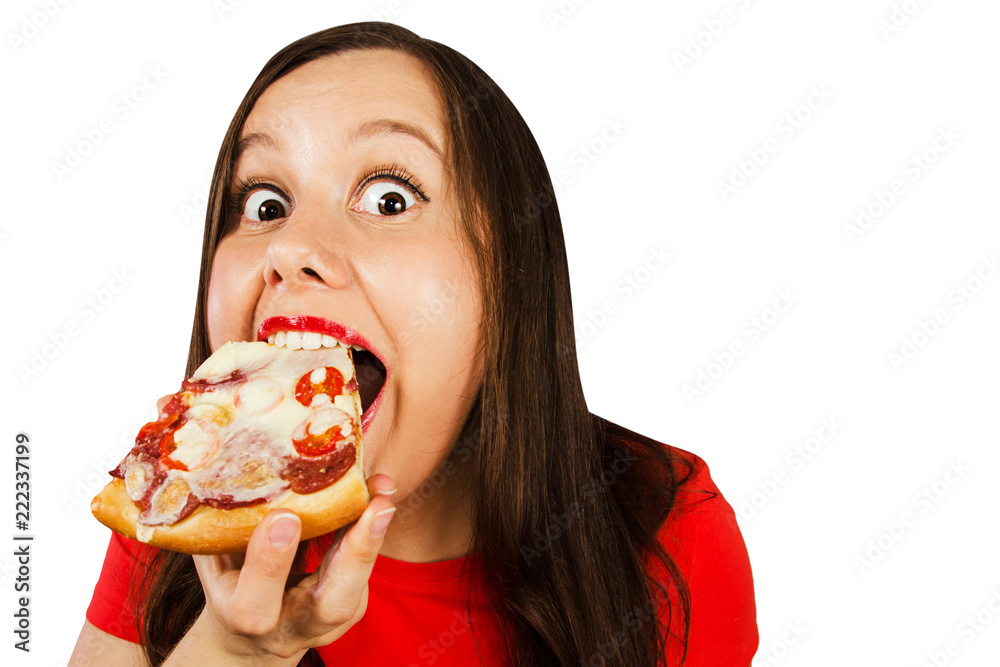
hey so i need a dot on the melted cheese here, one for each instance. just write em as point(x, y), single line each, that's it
point(237, 436)
point(248, 357)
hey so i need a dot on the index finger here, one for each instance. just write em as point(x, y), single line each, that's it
point(259, 591)
point(211, 569)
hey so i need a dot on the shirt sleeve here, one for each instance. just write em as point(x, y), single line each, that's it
point(112, 606)
point(707, 546)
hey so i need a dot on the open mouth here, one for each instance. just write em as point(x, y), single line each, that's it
point(310, 333)
point(371, 377)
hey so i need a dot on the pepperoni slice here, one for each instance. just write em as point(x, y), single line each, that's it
point(331, 384)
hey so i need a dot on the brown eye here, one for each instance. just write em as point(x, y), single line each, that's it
point(391, 203)
point(266, 205)
point(385, 199)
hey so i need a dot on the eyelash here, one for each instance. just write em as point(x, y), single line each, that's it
point(399, 175)
point(245, 186)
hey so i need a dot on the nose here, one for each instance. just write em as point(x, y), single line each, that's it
point(306, 252)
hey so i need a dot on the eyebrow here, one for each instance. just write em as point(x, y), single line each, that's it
point(383, 126)
point(252, 140)
point(373, 128)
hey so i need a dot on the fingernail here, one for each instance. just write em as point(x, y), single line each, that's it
point(282, 530)
point(381, 522)
point(384, 492)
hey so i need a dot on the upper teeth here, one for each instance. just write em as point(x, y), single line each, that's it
point(306, 340)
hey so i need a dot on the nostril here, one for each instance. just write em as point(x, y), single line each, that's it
point(272, 277)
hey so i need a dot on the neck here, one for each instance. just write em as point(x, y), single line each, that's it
point(433, 523)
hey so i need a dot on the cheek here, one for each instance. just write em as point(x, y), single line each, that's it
point(436, 309)
point(235, 284)
point(439, 380)
point(441, 339)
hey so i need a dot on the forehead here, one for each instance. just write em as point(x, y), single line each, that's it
point(335, 93)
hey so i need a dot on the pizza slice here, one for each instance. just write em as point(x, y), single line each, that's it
point(255, 428)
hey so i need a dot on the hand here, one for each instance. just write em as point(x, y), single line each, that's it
point(254, 609)
point(160, 402)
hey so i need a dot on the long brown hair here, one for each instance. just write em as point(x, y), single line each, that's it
point(567, 504)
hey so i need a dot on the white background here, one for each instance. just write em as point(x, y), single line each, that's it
point(672, 132)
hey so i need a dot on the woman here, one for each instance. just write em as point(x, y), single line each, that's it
point(382, 181)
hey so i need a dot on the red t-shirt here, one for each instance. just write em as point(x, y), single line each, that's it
point(417, 612)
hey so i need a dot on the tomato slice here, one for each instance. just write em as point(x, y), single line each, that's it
point(156, 438)
point(192, 445)
point(167, 445)
point(317, 445)
point(332, 385)
point(308, 443)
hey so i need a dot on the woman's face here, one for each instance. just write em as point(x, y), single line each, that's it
point(348, 214)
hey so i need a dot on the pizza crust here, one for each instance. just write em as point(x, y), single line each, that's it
point(208, 530)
